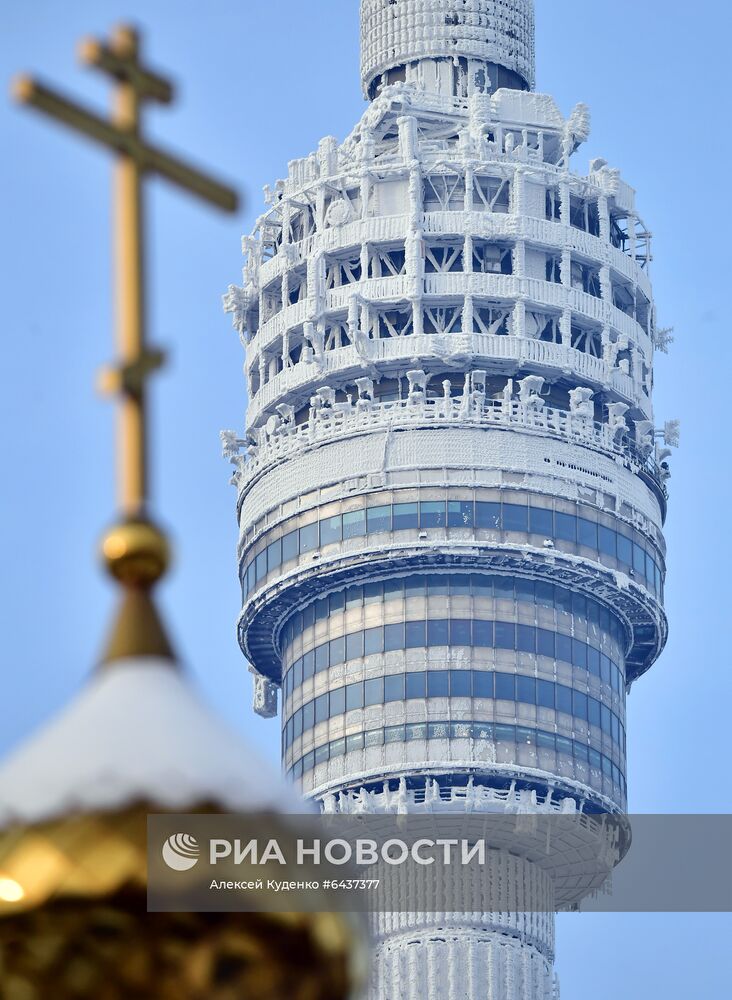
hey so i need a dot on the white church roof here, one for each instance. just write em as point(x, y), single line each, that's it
point(138, 732)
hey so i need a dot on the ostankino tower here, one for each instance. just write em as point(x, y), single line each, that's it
point(451, 493)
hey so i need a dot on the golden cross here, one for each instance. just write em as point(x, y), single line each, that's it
point(135, 550)
point(120, 58)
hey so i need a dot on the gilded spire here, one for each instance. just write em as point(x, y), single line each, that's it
point(135, 551)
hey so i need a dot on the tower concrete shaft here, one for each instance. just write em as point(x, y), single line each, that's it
point(450, 490)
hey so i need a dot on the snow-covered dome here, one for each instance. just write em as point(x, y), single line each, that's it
point(138, 733)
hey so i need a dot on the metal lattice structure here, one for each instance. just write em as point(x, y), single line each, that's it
point(451, 490)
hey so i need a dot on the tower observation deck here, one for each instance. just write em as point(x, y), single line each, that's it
point(451, 491)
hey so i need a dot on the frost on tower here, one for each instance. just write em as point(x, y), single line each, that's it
point(451, 489)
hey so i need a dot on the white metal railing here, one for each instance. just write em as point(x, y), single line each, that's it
point(345, 362)
point(353, 419)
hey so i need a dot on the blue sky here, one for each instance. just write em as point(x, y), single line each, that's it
point(260, 82)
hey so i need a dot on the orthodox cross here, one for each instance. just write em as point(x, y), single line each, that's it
point(135, 551)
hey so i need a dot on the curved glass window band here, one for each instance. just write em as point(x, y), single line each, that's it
point(423, 684)
point(479, 731)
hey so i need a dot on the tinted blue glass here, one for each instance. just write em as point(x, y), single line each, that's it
point(579, 653)
point(546, 741)
point(565, 527)
point(460, 683)
point(545, 694)
point(354, 524)
point(525, 591)
point(394, 636)
point(261, 565)
point(625, 550)
point(438, 584)
point(505, 635)
point(322, 658)
point(506, 687)
point(337, 651)
point(595, 758)
point(374, 691)
point(616, 679)
point(354, 597)
point(354, 696)
point(354, 645)
point(579, 705)
point(354, 742)
point(483, 731)
point(527, 638)
point(432, 514)
point(563, 600)
point(274, 555)
point(615, 727)
point(308, 665)
point(393, 590)
point(482, 684)
point(460, 514)
point(415, 635)
point(593, 661)
point(541, 522)
point(415, 586)
point(378, 518)
point(579, 605)
point(394, 734)
point(297, 723)
point(526, 689)
point(460, 632)
point(483, 633)
point(322, 609)
point(373, 593)
point(606, 541)
point(416, 684)
point(309, 537)
point(503, 587)
point(515, 517)
point(337, 601)
point(605, 716)
point(438, 685)
point(505, 734)
point(525, 736)
point(437, 632)
point(593, 710)
point(581, 752)
point(297, 673)
point(545, 642)
point(481, 586)
point(251, 576)
point(564, 648)
point(322, 754)
point(374, 738)
point(564, 698)
point(338, 701)
point(373, 640)
point(605, 668)
point(564, 745)
point(587, 533)
point(308, 716)
point(459, 585)
point(487, 515)
point(650, 571)
point(394, 687)
point(545, 594)
point(406, 515)
point(321, 708)
point(639, 559)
